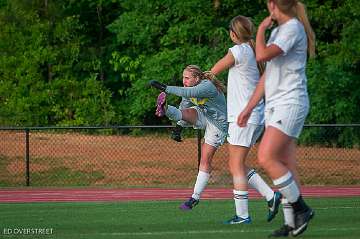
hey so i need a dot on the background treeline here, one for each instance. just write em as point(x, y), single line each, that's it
point(88, 62)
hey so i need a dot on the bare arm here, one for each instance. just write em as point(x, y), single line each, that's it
point(254, 100)
point(223, 64)
point(263, 52)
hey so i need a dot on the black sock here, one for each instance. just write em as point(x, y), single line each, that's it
point(176, 133)
point(300, 205)
point(178, 129)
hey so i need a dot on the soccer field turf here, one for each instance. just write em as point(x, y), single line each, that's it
point(334, 218)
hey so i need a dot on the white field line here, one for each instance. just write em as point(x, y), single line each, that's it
point(326, 208)
point(214, 231)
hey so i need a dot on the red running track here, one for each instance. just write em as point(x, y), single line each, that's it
point(13, 195)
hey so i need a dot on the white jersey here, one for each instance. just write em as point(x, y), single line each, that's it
point(285, 79)
point(242, 80)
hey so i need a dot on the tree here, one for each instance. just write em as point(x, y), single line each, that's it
point(42, 68)
point(156, 40)
point(79, 62)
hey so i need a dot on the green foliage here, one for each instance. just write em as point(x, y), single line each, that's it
point(46, 77)
point(81, 103)
point(87, 62)
point(333, 76)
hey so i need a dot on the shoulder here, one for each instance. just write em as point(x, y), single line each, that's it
point(293, 26)
point(241, 50)
point(208, 84)
point(241, 47)
point(296, 24)
point(288, 33)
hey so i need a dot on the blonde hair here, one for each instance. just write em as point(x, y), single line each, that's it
point(244, 30)
point(298, 9)
point(196, 72)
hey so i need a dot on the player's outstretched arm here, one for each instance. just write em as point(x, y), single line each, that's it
point(223, 64)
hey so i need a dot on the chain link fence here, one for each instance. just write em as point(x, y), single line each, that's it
point(145, 156)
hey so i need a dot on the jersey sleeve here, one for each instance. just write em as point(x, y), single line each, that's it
point(286, 38)
point(205, 89)
point(238, 53)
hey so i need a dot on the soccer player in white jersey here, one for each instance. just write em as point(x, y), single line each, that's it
point(284, 85)
point(244, 74)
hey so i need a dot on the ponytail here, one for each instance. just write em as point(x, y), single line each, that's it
point(206, 75)
point(300, 12)
point(218, 84)
point(260, 64)
point(244, 30)
point(296, 8)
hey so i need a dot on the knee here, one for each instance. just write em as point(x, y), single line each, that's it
point(232, 170)
point(236, 168)
point(263, 161)
point(231, 167)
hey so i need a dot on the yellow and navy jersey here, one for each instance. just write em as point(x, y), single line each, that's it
point(199, 101)
point(207, 97)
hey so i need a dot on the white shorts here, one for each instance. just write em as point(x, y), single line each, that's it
point(244, 136)
point(213, 135)
point(289, 119)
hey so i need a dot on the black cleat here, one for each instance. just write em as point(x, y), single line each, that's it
point(189, 204)
point(284, 231)
point(176, 133)
point(302, 219)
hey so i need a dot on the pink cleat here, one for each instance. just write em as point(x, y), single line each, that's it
point(161, 105)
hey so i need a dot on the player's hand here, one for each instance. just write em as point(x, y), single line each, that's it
point(243, 117)
point(158, 85)
point(266, 23)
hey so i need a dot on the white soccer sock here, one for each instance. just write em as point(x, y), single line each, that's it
point(288, 213)
point(201, 182)
point(241, 203)
point(256, 182)
point(288, 187)
point(173, 113)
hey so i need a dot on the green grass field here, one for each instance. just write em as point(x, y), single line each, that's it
point(334, 218)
